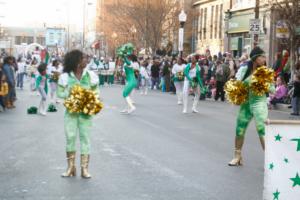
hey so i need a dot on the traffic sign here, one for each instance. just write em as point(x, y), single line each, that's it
point(254, 26)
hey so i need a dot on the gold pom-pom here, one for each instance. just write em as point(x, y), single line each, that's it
point(55, 76)
point(180, 76)
point(261, 80)
point(236, 92)
point(83, 101)
point(92, 104)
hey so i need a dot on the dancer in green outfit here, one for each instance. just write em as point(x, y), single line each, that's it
point(194, 81)
point(255, 106)
point(76, 74)
point(130, 84)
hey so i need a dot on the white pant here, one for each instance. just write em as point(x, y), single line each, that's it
point(186, 88)
point(53, 87)
point(179, 88)
point(144, 84)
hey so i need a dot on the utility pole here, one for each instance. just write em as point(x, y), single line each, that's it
point(83, 28)
point(146, 32)
point(256, 10)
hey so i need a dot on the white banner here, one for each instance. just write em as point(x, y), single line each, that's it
point(180, 42)
point(282, 162)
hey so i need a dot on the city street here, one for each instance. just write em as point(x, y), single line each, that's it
point(157, 153)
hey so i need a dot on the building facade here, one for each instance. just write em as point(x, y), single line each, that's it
point(208, 26)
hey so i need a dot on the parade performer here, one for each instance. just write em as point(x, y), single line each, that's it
point(42, 87)
point(75, 74)
point(126, 53)
point(178, 78)
point(55, 71)
point(32, 72)
point(145, 78)
point(193, 81)
point(254, 103)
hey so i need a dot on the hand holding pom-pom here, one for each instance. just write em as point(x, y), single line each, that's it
point(236, 92)
point(83, 101)
point(261, 80)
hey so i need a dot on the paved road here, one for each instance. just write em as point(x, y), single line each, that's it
point(155, 154)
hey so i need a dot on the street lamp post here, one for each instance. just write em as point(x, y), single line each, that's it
point(182, 20)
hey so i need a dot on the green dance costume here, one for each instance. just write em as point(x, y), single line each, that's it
point(192, 80)
point(130, 78)
point(255, 107)
point(74, 122)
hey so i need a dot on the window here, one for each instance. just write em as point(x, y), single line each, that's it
point(200, 23)
point(18, 40)
point(221, 21)
point(28, 40)
point(40, 40)
point(204, 22)
point(216, 21)
point(211, 22)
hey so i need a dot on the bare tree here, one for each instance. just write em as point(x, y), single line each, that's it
point(289, 11)
point(142, 22)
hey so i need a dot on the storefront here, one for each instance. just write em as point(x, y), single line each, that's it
point(238, 33)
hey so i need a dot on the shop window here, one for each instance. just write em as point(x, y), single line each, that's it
point(216, 21)
point(211, 22)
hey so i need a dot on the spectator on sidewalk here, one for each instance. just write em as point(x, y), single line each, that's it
point(296, 95)
point(222, 75)
point(21, 72)
point(155, 74)
point(3, 89)
point(8, 70)
point(280, 92)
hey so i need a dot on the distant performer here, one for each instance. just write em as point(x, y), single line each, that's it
point(126, 53)
point(192, 81)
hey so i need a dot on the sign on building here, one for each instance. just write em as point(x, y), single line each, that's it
point(254, 26)
point(282, 30)
point(180, 42)
point(55, 37)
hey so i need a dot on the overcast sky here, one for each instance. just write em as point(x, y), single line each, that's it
point(36, 12)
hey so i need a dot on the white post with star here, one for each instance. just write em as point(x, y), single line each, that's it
point(282, 160)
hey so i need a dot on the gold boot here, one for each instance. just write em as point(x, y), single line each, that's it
point(262, 141)
point(84, 166)
point(237, 160)
point(71, 171)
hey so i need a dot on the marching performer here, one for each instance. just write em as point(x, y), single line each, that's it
point(193, 81)
point(126, 53)
point(55, 71)
point(144, 78)
point(178, 74)
point(75, 74)
point(255, 103)
point(42, 87)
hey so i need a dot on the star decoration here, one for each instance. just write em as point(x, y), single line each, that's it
point(271, 166)
point(278, 138)
point(276, 195)
point(297, 140)
point(296, 180)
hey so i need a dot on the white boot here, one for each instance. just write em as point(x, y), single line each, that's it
point(146, 91)
point(130, 105)
point(125, 110)
point(195, 103)
point(185, 106)
point(42, 108)
point(179, 97)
